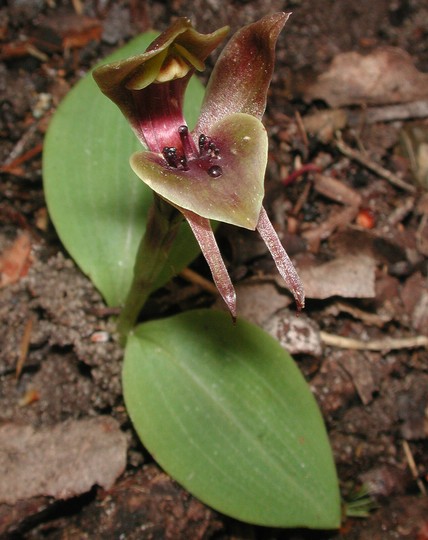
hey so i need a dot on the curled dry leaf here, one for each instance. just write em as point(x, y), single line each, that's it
point(363, 374)
point(385, 76)
point(414, 146)
point(338, 191)
point(422, 236)
point(15, 261)
point(412, 404)
point(385, 480)
point(298, 334)
point(258, 301)
point(263, 304)
point(60, 461)
point(414, 295)
point(335, 220)
point(324, 124)
point(372, 319)
point(422, 232)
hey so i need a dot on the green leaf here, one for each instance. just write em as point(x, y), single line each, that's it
point(97, 204)
point(226, 412)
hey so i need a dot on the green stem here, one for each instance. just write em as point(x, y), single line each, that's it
point(162, 226)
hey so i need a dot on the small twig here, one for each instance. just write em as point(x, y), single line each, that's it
point(37, 53)
point(23, 48)
point(413, 468)
point(193, 277)
point(20, 145)
point(357, 313)
point(8, 214)
point(24, 346)
point(301, 200)
point(387, 344)
point(336, 190)
point(421, 234)
point(22, 158)
point(78, 7)
point(373, 166)
point(105, 311)
point(29, 397)
point(302, 129)
point(292, 177)
point(409, 149)
point(400, 213)
point(402, 111)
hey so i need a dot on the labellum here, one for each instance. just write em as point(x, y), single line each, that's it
point(217, 170)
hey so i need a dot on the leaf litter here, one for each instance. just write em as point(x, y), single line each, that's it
point(386, 75)
point(61, 461)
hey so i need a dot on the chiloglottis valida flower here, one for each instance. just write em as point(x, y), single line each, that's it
point(215, 172)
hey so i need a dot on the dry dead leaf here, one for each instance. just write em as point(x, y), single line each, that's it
point(414, 146)
point(422, 236)
point(258, 301)
point(350, 276)
point(372, 319)
point(415, 299)
point(15, 261)
point(336, 220)
point(338, 191)
point(60, 461)
point(362, 373)
point(412, 405)
point(332, 384)
point(77, 40)
point(385, 76)
point(385, 480)
point(324, 124)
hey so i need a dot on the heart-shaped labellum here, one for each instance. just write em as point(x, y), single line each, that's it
point(222, 180)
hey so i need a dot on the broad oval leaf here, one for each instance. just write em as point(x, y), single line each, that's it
point(226, 412)
point(97, 204)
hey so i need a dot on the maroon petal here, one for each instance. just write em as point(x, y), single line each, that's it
point(241, 76)
point(201, 228)
point(282, 260)
point(158, 113)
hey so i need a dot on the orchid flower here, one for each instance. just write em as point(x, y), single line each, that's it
point(215, 172)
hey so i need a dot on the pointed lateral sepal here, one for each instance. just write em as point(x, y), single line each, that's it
point(204, 235)
point(236, 196)
point(282, 260)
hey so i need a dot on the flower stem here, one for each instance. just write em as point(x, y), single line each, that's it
point(162, 226)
